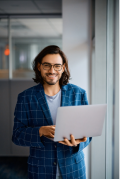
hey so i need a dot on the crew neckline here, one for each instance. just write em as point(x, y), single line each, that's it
point(54, 95)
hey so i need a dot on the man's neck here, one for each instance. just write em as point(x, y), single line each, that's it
point(51, 90)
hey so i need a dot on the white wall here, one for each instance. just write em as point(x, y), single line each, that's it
point(76, 46)
point(75, 39)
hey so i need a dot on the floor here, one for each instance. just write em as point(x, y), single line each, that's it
point(13, 168)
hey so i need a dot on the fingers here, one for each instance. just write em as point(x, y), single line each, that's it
point(52, 127)
point(48, 131)
point(61, 142)
point(66, 142)
point(51, 135)
point(84, 139)
point(69, 143)
point(52, 131)
point(73, 140)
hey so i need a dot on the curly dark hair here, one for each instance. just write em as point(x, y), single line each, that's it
point(52, 49)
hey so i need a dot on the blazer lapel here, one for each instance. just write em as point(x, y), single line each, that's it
point(65, 101)
point(43, 103)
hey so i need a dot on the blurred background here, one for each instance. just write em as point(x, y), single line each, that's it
point(87, 31)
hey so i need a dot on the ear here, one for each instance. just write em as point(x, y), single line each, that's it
point(38, 66)
point(63, 69)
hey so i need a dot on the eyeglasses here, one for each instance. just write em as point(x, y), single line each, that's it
point(47, 66)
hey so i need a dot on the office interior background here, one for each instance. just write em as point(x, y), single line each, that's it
point(87, 31)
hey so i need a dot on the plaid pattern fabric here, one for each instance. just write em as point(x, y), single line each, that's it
point(32, 112)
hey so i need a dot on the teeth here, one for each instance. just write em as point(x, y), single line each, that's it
point(51, 76)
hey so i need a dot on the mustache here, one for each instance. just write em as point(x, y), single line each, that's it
point(51, 73)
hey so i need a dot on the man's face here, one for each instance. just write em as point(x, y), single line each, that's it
point(51, 76)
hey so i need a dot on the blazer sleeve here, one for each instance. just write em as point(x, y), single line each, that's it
point(23, 133)
point(84, 101)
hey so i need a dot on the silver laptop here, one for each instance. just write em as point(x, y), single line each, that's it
point(81, 121)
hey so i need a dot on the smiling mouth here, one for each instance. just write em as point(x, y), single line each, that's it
point(51, 76)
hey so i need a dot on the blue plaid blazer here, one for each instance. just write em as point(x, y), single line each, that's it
point(31, 113)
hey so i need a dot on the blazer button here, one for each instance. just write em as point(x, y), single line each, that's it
point(55, 146)
point(54, 163)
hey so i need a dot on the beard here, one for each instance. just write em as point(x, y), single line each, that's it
point(51, 83)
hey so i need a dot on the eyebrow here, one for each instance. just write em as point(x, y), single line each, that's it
point(50, 63)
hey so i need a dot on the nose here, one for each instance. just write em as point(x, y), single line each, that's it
point(52, 70)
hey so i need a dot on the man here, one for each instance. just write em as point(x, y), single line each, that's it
point(35, 118)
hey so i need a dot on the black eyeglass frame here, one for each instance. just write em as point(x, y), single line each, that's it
point(51, 66)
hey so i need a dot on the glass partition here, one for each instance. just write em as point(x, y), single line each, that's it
point(29, 37)
point(4, 49)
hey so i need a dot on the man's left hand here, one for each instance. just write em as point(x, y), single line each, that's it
point(73, 142)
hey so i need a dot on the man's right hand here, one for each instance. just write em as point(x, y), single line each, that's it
point(47, 131)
